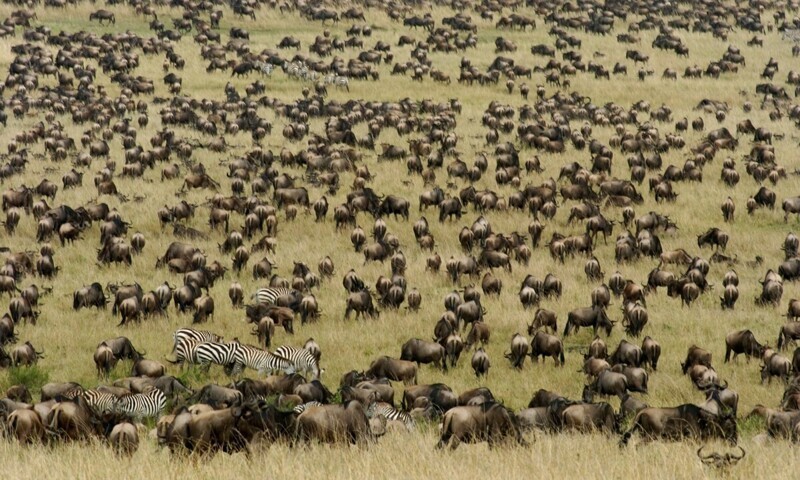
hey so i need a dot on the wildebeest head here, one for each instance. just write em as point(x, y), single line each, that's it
point(719, 460)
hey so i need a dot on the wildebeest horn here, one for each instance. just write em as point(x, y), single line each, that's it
point(699, 454)
point(740, 457)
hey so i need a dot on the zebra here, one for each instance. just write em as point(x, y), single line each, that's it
point(143, 405)
point(183, 334)
point(303, 406)
point(184, 351)
point(260, 360)
point(99, 402)
point(338, 81)
point(393, 414)
point(271, 296)
point(206, 353)
point(265, 68)
point(302, 359)
point(342, 82)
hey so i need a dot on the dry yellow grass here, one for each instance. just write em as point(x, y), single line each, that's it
point(69, 337)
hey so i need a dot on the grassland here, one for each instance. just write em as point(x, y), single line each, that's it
point(69, 338)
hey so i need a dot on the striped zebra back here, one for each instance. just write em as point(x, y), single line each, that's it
point(391, 413)
point(142, 405)
point(303, 406)
point(270, 295)
point(184, 334)
point(302, 359)
point(101, 402)
point(224, 354)
point(262, 361)
point(71, 394)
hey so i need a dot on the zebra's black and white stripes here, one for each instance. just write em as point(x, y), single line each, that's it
point(264, 68)
point(303, 360)
point(270, 295)
point(262, 361)
point(185, 334)
point(101, 402)
point(393, 414)
point(338, 81)
point(303, 406)
point(143, 405)
point(206, 353)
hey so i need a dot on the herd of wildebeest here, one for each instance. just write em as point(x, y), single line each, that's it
point(89, 85)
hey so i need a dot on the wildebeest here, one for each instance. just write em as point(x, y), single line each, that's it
point(490, 422)
point(547, 345)
point(607, 383)
point(519, 350)
point(742, 341)
point(361, 303)
point(714, 237)
point(104, 360)
point(420, 351)
point(543, 318)
point(696, 356)
point(594, 317)
point(627, 353)
point(393, 369)
point(652, 352)
point(91, 296)
point(687, 420)
point(480, 362)
point(775, 365)
point(332, 423)
point(789, 333)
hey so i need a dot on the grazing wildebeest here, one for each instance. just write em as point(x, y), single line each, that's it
point(594, 317)
point(742, 341)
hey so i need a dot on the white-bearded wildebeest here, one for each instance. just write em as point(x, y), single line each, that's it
point(361, 303)
point(589, 417)
point(546, 345)
point(336, 423)
point(393, 369)
point(91, 296)
point(775, 365)
point(545, 319)
point(519, 350)
point(627, 353)
point(594, 317)
point(420, 351)
point(480, 363)
point(696, 356)
point(687, 420)
point(742, 341)
point(490, 422)
point(713, 237)
point(637, 377)
point(780, 424)
point(789, 333)
point(652, 351)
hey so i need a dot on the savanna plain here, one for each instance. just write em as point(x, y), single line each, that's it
point(69, 337)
